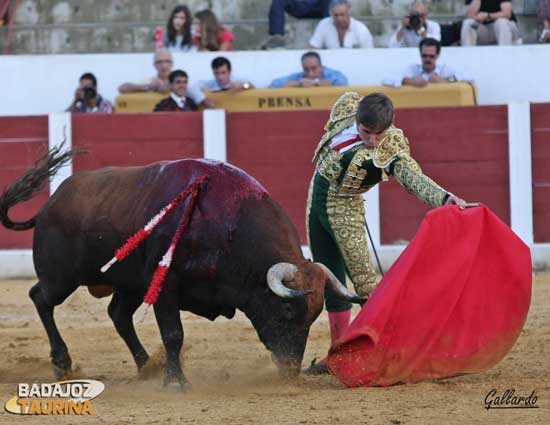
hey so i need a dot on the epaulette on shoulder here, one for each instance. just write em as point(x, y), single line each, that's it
point(392, 145)
point(342, 115)
point(345, 107)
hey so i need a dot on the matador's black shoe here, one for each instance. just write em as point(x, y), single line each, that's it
point(316, 368)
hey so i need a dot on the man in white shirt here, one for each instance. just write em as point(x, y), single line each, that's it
point(160, 83)
point(429, 71)
point(340, 30)
point(415, 26)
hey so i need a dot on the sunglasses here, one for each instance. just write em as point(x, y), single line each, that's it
point(425, 56)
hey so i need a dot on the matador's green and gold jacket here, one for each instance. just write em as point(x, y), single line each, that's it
point(360, 168)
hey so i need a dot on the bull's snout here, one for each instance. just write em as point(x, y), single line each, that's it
point(288, 368)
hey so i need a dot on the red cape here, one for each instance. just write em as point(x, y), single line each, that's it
point(454, 302)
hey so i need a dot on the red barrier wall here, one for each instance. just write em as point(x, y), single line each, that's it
point(136, 139)
point(22, 140)
point(464, 149)
point(276, 148)
point(540, 151)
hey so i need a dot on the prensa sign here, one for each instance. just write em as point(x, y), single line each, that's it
point(59, 398)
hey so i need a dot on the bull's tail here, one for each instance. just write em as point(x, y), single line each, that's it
point(32, 182)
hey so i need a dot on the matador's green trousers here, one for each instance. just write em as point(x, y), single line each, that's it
point(337, 238)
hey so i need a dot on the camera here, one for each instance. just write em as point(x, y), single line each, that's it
point(89, 92)
point(415, 23)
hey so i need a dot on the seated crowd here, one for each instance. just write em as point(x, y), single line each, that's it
point(485, 22)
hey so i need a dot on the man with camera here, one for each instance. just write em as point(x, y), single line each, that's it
point(489, 22)
point(87, 99)
point(415, 26)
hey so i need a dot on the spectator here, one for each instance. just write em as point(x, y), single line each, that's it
point(489, 22)
point(178, 100)
point(163, 63)
point(208, 35)
point(177, 37)
point(420, 75)
point(4, 15)
point(297, 8)
point(87, 99)
point(450, 33)
point(222, 81)
point(314, 74)
point(544, 16)
point(415, 26)
point(341, 30)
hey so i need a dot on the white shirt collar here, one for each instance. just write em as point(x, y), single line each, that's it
point(436, 71)
point(180, 101)
point(346, 134)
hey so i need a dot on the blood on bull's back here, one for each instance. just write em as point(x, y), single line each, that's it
point(92, 214)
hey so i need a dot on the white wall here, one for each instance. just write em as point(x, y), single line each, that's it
point(46, 83)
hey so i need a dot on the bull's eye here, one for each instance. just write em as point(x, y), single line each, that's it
point(288, 311)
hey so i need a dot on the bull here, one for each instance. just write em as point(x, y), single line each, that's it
point(240, 251)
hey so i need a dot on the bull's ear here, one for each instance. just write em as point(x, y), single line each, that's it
point(288, 311)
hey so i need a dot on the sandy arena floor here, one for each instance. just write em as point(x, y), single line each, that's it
point(235, 382)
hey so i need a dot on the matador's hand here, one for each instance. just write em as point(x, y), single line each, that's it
point(455, 200)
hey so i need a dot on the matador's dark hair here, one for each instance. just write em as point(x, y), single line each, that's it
point(375, 111)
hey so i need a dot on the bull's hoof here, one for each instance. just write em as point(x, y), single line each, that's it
point(148, 370)
point(316, 369)
point(61, 374)
point(179, 387)
point(141, 359)
point(175, 385)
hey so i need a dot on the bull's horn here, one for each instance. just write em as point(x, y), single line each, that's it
point(339, 288)
point(277, 274)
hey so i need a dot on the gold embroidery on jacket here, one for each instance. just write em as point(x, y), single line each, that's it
point(308, 206)
point(329, 165)
point(352, 183)
point(409, 174)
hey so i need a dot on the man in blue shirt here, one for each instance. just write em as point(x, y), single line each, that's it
point(222, 81)
point(314, 74)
